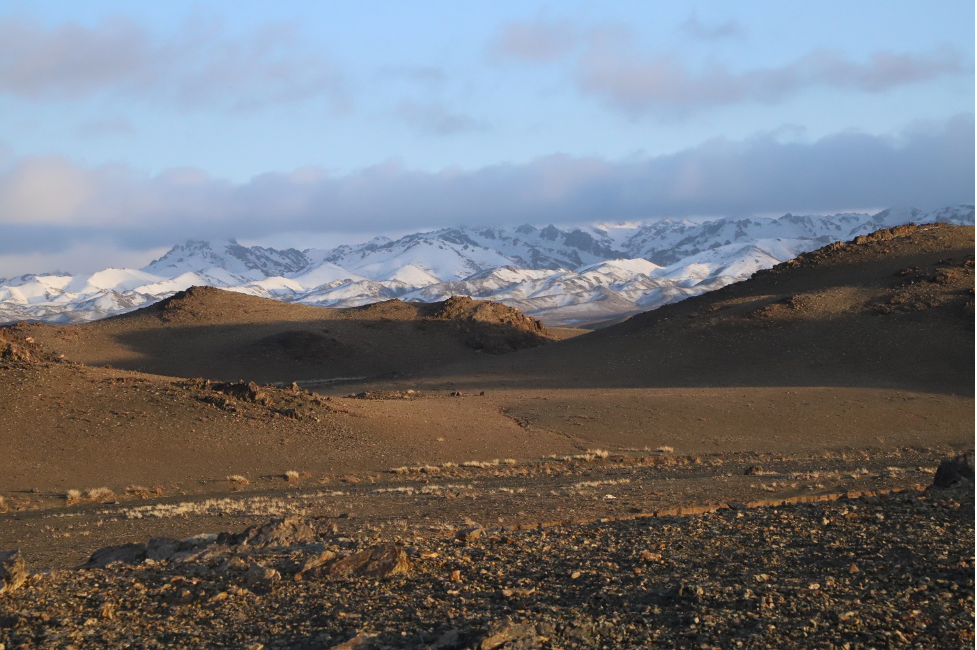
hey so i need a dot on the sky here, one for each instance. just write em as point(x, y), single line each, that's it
point(126, 128)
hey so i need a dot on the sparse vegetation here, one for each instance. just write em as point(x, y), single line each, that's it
point(237, 479)
point(99, 494)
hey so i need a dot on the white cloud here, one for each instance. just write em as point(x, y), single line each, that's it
point(639, 84)
point(435, 119)
point(537, 41)
point(609, 66)
point(704, 30)
point(44, 190)
point(105, 128)
point(47, 205)
point(202, 67)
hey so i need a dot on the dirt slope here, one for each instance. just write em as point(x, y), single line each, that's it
point(861, 345)
point(891, 310)
point(227, 336)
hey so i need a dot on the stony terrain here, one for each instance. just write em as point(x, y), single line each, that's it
point(864, 572)
point(747, 467)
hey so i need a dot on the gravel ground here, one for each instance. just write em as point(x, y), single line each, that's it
point(869, 572)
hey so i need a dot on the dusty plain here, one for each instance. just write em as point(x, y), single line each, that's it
point(638, 457)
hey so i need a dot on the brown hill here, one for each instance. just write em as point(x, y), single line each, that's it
point(66, 426)
point(893, 310)
point(858, 345)
point(224, 335)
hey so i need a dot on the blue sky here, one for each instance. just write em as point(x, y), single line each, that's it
point(127, 127)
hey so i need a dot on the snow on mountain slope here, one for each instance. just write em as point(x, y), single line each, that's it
point(563, 276)
point(255, 261)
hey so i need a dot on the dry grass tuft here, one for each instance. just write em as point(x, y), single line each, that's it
point(291, 476)
point(72, 496)
point(665, 449)
point(142, 492)
point(99, 494)
point(238, 479)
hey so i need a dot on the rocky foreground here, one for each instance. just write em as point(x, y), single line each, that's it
point(867, 572)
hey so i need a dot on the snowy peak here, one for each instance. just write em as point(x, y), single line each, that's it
point(560, 275)
point(253, 261)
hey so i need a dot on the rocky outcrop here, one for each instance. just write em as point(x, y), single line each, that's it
point(378, 562)
point(13, 572)
point(277, 533)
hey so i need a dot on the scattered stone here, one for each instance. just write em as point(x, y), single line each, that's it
point(359, 642)
point(510, 635)
point(469, 535)
point(449, 640)
point(13, 573)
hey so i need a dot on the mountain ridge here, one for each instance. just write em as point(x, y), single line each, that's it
point(561, 276)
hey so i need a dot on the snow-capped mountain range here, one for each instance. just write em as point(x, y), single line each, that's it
point(562, 276)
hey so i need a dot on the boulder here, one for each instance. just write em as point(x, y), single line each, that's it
point(128, 553)
point(261, 577)
point(955, 471)
point(377, 562)
point(469, 535)
point(12, 570)
point(161, 548)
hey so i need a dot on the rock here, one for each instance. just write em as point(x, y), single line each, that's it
point(128, 553)
point(162, 548)
point(12, 571)
point(469, 535)
point(281, 532)
point(510, 635)
point(315, 561)
point(450, 640)
point(196, 541)
point(232, 565)
point(261, 577)
point(378, 562)
point(359, 642)
point(955, 471)
point(198, 553)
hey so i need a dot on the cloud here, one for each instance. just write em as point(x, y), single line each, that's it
point(538, 41)
point(104, 128)
point(710, 32)
point(663, 84)
point(608, 65)
point(202, 67)
point(421, 74)
point(926, 165)
point(435, 119)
